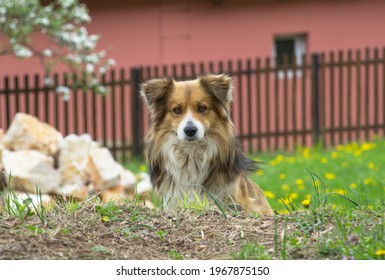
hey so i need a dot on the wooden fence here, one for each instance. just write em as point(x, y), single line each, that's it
point(328, 98)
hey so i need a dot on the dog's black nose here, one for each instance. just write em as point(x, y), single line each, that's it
point(190, 130)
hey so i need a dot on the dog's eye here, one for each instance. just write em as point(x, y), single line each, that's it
point(177, 110)
point(202, 109)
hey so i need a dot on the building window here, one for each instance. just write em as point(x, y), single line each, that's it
point(290, 47)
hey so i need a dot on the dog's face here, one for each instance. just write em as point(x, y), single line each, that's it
point(189, 109)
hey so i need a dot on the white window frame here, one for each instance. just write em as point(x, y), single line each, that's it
point(300, 48)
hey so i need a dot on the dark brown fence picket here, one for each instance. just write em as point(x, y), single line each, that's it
point(327, 99)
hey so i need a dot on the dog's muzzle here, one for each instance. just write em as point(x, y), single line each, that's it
point(190, 130)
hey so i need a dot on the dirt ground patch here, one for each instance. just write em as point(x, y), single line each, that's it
point(140, 233)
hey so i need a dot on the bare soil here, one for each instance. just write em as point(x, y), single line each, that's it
point(141, 233)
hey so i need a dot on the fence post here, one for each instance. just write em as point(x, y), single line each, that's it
point(316, 99)
point(136, 112)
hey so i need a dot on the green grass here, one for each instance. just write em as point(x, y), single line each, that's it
point(330, 205)
point(252, 252)
point(345, 176)
point(341, 192)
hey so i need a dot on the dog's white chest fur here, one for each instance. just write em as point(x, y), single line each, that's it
point(188, 166)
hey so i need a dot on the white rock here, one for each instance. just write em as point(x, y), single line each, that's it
point(29, 169)
point(144, 184)
point(74, 158)
point(114, 194)
point(26, 132)
point(1, 155)
point(44, 199)
point(103, 170)
point(2, 137)
point(3, 181)
point(127, 179)
point(79, 192)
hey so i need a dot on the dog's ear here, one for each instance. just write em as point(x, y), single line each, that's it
point(221, 86)
point(154, 90)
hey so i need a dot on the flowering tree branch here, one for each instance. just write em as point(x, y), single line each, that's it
point(59, 25)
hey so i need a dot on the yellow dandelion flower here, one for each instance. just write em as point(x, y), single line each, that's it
point(279, 158)
point(269, 194)
point(105, 219)
point(357, 153)
point(305, 202)
point(330, 176)
point(143, 168)
point(370, 207)
point(367, 146)
point(368, 181)
point(371, 165)
point(293, 195)
point(380, 252)
point(306, 153)
point(340, 148)
point(324, 160)
point(284, 201)
point(308, 196)
point(260, 172)
point(291, 159)
point(282, 176)
point(283, 212)
point(334, 206)
point(353, 185)
point(334, 155)
point(340, 191)
point(285, 187)
point(299, 182)
point(300, 187)
point(273, 162)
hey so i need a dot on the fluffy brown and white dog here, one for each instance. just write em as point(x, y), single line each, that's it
point(191, 147)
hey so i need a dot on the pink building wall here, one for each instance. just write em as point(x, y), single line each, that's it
point(154, 32)
point(150, 32)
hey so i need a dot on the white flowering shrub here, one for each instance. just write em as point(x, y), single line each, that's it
point(61, 23)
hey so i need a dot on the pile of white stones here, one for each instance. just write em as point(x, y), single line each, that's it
point(34, 154)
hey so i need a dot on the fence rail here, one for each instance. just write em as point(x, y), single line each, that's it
point(328, 98)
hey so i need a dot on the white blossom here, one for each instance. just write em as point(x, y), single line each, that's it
point(43, 21)
point(68, 27)
point(102, 89)
point(66, 3)
point(13, 24)
point(61, 22)
point(92, 58)
point(63, 90)
point(73, 58)
point(81, 14)
point(90, 68)
point(88, 44)
point(47, 53)
point(48, 82)
point(102, 70)
point(22, 51)
point(94, 82)
point(111, 62)
point(66, 96)
point(102, 54)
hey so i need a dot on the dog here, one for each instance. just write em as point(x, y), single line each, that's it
point(191, 147)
